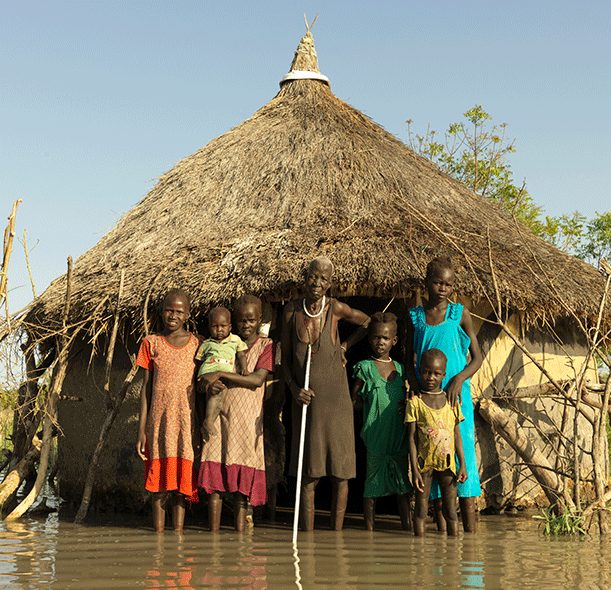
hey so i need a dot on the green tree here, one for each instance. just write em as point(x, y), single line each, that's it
point(476, 151)
point(596, 243)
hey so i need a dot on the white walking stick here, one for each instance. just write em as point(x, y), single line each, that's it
point(304, 412)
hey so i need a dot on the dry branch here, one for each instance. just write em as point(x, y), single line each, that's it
point(50, 418)
point(26, 254)
point(7, 248)
point(508, 428)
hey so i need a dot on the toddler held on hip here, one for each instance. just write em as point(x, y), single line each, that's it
point(223, 352)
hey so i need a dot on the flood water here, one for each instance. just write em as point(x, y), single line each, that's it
point(507, 553)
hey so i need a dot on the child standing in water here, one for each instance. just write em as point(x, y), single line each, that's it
point(165, 433)
point(222, 352)
point(448, 327)
point(379, 381)
point(434, 440)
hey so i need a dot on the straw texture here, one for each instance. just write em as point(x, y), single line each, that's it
point(308, 174)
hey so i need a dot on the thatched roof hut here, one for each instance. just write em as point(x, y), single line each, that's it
point(310, 174)
point(307, 174)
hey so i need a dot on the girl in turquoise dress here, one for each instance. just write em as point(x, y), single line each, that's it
point(448, 326)
point(379, 387)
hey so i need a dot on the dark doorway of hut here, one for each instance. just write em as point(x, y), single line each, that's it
point(384, 506)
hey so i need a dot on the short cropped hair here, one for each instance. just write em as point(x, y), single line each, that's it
point(177, 294)
point(433, 354)
point(380, 317)
point(245, 300)
point(438, 264)
point(321, 261)
point(217, 311)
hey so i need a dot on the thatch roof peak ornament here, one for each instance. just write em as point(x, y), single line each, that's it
point(305, 62)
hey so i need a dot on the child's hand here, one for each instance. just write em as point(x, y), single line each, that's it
point(455, 391)
point(141, 446)
point(418, 481)
point(215, 387)
point(206, 380)
point(244, 372)
point(462, 474)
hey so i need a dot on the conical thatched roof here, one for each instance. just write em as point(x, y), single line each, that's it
point(309, 174)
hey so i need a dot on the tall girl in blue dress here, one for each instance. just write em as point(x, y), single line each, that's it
point(448, 326)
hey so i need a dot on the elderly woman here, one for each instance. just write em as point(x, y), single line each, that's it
point(329, 440)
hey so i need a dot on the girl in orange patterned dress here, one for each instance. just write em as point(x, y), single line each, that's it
point(165, 433)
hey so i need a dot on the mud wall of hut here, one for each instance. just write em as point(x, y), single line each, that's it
point(120, 477)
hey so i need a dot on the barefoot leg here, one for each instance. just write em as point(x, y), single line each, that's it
point(239, 512)
point(178, 512)
point(404, 511)
point(369, 512)
point(339, 501)
point(215, 507)
point(440, 521)
point(447, 484)
point(422, 505)
point(213, 411)
point(159, 502)
point(308, 489)
point(468, 514)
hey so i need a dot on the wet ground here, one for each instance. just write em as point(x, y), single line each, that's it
point(49, 552)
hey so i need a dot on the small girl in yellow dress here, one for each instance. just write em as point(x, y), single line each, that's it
point(434, 441)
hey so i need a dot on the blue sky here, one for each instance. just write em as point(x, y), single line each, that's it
point(97, 99)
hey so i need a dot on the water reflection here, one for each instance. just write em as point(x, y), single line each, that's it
point(507, 553)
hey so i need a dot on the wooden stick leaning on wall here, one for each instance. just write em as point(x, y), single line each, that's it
point(113, 405)
point(50, 416)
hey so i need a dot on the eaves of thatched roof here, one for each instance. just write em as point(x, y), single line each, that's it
point(309, 174)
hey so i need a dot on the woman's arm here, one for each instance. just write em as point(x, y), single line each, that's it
point(455, 385)
point(300, 395)
point(145, 400)
point(352, 316)
point(413, 457)
point(462, 470)
point(252, 381)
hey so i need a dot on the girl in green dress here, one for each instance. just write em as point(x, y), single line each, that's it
point(379, 388)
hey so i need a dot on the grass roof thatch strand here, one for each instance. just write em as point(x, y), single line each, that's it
point(308, 174)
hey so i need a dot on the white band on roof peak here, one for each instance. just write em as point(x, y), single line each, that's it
point(304, 75)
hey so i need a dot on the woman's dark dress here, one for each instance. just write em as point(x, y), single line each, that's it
point(329, 440)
